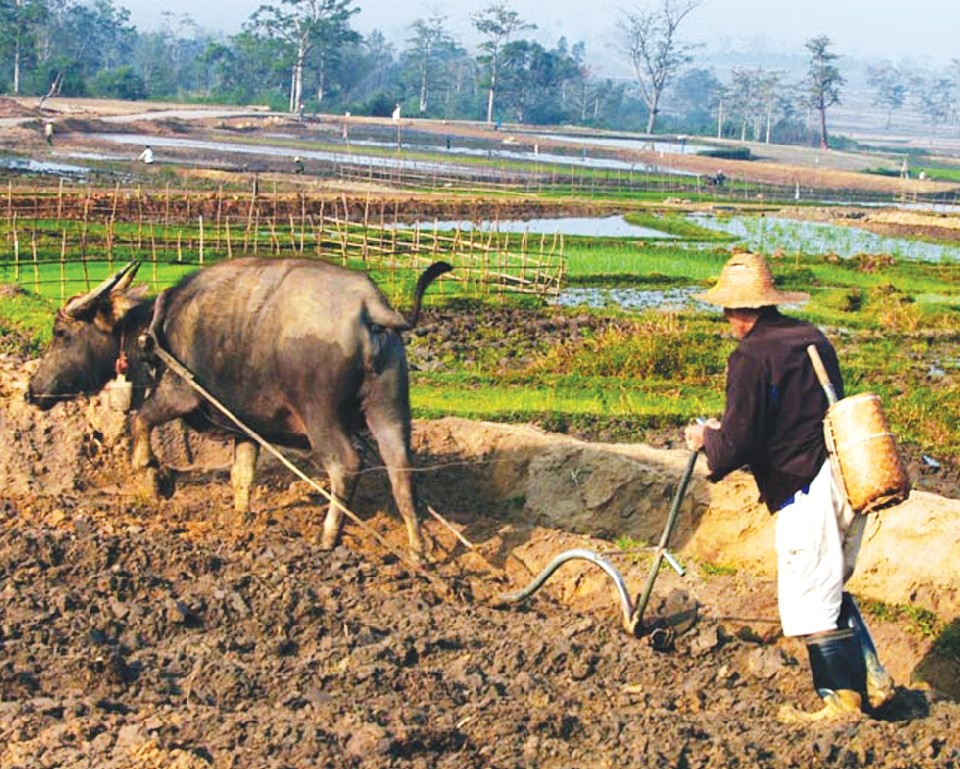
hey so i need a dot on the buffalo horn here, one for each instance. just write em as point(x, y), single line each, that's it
point(118, 281)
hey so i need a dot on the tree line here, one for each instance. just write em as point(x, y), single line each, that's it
point(305, 56)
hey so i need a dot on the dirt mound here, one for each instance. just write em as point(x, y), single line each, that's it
point(140, 633)
point(12, 108)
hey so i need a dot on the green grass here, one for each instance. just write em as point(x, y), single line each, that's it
point(918, 621)
point(718, 569)
point(676, 225)
point(888, 319)
point(26, 322)
point(435, 395)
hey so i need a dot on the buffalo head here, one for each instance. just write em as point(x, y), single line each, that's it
point(82, 355)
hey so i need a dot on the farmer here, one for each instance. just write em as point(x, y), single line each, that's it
point(773, 423)
point(146, 156)
point(48, 131)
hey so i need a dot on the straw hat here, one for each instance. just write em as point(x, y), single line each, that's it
point(746, 281)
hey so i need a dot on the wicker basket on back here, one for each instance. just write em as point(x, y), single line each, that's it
point(864, 454)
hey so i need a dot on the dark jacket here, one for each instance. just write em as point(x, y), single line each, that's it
point(773, 419)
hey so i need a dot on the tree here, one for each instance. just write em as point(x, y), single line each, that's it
point(651, 41)
point(424, 54)
point(694, 96)
point(95, 36)
point(891, 87)
point(307, 26)
point(936, 99)
point(754, 96)
point(824, 81)
point(20, 24)
point(119, 83)
point(533, 80)
point(497, 23)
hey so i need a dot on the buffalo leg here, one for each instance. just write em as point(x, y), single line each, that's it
point(141, 455)
point(342, 463)
point(142, 458)
point(392, 441)
point(169, 400)
point(243, 474)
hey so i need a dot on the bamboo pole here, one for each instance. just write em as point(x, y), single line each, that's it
point(153, 253)
point(16, 250)
point(83, 234)
point(323, 208)
point(303, 221)
point(36, 263)
point(274, 239)
point(366, 223)
point(63, 266)
point(219, 216)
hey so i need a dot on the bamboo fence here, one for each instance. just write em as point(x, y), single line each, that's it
point(88, 235)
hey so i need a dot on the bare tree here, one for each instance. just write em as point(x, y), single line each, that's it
point(651, 41)
point(497, 23)
point(824, 81)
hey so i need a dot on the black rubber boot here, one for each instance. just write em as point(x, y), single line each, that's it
point(839, 676)
point(880, 685)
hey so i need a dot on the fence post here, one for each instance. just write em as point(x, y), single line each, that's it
point(16, 251)
point(63, 266)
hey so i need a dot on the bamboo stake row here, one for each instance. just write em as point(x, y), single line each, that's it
point(487, 261)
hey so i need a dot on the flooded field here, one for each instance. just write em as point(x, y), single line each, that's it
point(631, 298)
point(768, 234)
point(587, 226)
point(396, 160)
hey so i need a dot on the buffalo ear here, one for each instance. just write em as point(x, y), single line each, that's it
point(82, 305)
point(114, 308)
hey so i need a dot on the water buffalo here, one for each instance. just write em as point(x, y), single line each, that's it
point(302, 351)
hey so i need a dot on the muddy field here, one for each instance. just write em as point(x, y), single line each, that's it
point(145, 634)
point(138, 634)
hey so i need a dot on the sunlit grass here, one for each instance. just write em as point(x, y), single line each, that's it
point(487, 398)
point(888, 318)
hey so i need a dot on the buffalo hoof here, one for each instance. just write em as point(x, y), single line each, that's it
point(329, 542)
point(236, 519)
point(158, 483)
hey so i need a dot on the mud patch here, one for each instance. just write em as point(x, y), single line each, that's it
point(139, 633)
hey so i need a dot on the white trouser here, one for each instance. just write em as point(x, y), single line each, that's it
point(817, 539)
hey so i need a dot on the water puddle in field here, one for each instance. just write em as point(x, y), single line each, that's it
point(504, 151)
point(638, 144)
point(346, 156)
point(767, 234)
point(31, 166)
point(631, 298)
point(589, 226)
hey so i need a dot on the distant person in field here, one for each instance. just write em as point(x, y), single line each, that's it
point(48, 132)
point(146, 156)
point(773, 423)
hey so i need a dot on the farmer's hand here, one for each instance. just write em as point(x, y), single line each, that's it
point(693, 434)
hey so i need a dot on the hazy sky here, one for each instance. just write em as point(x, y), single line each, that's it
point(923, 32)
